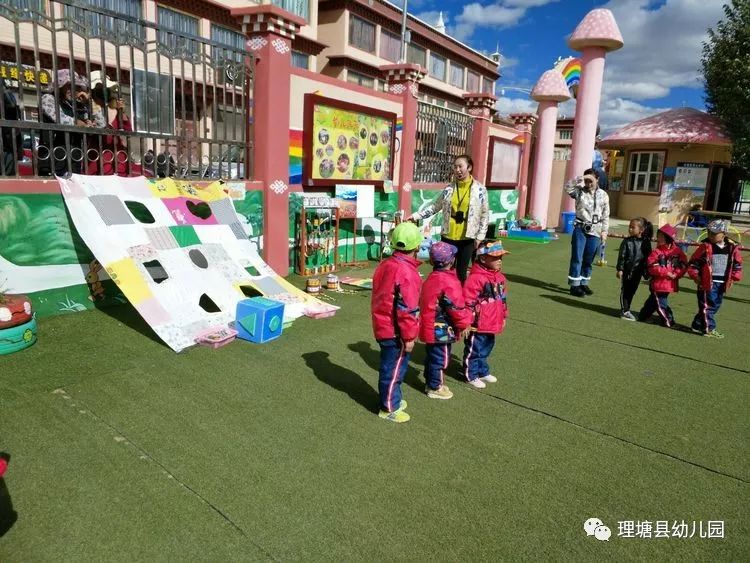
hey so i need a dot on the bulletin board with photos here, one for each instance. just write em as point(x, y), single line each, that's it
point(345, 141)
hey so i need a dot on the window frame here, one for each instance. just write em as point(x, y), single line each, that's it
point(284, 3)
point(414, 48)
point(391, 36)
point(299, 54)
point(463, 75)
point(360, 75)
point(632, 175)
point(445, 67)
point(363, 22)
point(469, 74)
point(191, 46)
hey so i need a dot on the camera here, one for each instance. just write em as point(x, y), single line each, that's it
point(458, 217)
point(587, 227)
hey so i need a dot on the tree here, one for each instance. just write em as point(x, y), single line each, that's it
point(726, 70)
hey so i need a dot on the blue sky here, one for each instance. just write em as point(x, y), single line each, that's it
point(657, 69)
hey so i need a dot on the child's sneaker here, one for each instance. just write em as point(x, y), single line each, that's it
point(628, 316)
point(489, 379)
point(395, 416)
point(478, 383)
point(714, 334)
point(441, 392)
point(698, 331)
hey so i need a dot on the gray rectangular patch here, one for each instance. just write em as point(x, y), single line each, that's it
point(111, 209)
point(238, 230)
point(223, 211)
point(162, 238)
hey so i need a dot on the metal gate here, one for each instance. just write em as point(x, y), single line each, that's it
point(442, 135)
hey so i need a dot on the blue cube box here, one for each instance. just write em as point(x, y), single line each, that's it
point(259, 319)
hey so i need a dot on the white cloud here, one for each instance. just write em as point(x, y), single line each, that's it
point(616, 113)
point(501, 13)
point(662, 46)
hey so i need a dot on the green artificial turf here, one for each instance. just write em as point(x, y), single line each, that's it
point(123, 450)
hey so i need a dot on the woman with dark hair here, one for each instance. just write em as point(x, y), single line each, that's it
point(589, 230)
point(466, 213)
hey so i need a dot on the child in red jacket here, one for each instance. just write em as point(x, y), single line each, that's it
point(443, 317)
point(666, 265)
point(395, 316)
point(714, 266)
point(485, 294)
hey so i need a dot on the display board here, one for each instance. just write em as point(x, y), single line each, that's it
point(344, 141)
point(691, 175)
point(504, 163)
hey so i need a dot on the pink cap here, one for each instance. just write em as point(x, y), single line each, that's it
point(597, 29)
point(551, 87)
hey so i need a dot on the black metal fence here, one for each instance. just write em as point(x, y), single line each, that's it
point(94, 91)
point(442, 135)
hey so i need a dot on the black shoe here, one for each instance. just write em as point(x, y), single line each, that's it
point(576, 291)
point(587, 290)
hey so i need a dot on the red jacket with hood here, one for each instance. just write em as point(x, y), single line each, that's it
point(485, 294)
point(442, 309)
point(395, 298)
point(699, 268)
point(663, 260)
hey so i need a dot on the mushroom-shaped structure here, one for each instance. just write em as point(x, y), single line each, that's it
point(598, 29)
point(551, 87)
point(594, 37)
point(684, 126)
point(548, 91)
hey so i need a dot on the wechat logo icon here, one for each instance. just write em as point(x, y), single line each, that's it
point(595, 527)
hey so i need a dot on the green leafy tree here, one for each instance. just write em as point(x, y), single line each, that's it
point(726, 70)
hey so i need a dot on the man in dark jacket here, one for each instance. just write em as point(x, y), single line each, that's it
point(12, 142)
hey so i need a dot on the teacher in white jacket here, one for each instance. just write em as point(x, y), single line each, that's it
point(466, 213)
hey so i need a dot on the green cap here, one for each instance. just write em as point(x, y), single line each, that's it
point(406, 236)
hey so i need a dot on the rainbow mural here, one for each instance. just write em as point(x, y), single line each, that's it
point(295, 156)
point(570, 68)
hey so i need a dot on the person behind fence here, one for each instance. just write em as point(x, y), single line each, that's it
point(395, 317)
point(666, 264)
point(74, 106)
point(108, 112)
point(466, 212)
point(590, 229)
point(696, 218)
point(485, 293)
point(10, 137)
point(443, 318)
point(714, 266)
point(631, 262)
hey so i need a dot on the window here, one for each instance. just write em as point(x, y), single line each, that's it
point(96, 24)
point(437, 67)
point(300, 60)
point(472, 81)
point(561, 154)
point(361, 34)
point(565, 134)
point(390, 46)
point(176, 27)
point(455, 107)
point(416, 55)
point(298, 7)
point(644, 172)
point(361, 79)
point(26, 9)
point(488, 86)
point(234, 42)
point(153, 102)
point(457, 76)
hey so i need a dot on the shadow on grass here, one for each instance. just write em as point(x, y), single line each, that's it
point(127, 315)
point(8, 516)
point(582, 303)
point(371, 357)
point(342, 379)
point(533, 282)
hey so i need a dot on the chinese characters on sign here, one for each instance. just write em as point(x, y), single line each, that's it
point(26, 74)
point(647, 529)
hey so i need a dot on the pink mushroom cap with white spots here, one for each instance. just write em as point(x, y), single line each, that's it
point(597, 29)
point(551, 87)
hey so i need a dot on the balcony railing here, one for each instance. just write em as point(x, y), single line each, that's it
point(92, 91)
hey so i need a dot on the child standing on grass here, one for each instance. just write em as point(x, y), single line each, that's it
point(631, 262)
point(666, 265)
point(714, 266)
point(395, 317)
point(444, 317)
point(485, 294)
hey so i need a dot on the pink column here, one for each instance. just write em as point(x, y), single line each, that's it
point(403, 80)
point(524, 124)
point(481, 106)
point(549, 91)
point(593, 37)
point(270, 31)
